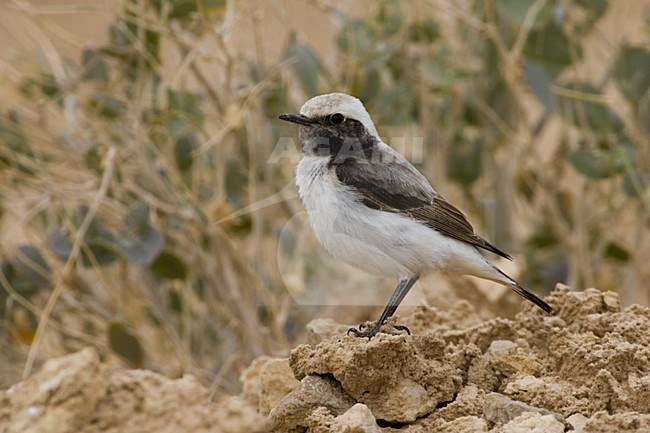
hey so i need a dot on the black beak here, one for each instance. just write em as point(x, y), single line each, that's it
point(298, 118)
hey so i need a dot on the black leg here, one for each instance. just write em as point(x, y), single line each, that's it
point(400, 292)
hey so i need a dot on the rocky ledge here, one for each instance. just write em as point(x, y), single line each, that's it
point(586, 368)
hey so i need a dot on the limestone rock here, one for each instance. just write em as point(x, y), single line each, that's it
point(60, 398)
point(628, 422)
point(313, 392)
point(502, 409)
point(399, 377)
point(250, 380)
point(277, 380)
point(323, 329)
point(577, 421)
point(358, 419)
point(531, 422)
point(76, 393)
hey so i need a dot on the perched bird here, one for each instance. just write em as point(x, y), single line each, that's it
point(369, 207)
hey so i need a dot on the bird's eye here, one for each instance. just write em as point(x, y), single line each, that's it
point(337, 118)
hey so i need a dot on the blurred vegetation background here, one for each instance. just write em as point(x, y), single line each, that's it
point(146, 185)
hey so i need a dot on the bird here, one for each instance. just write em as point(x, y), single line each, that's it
point(371, 208)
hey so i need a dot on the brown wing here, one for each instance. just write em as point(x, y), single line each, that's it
point(396, 186)
point(445, 218)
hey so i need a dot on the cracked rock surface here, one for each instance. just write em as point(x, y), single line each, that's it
point(584, 369)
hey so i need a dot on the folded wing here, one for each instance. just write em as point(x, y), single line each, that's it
point(396, 186)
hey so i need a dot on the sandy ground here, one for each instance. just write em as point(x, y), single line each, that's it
point(586, 368)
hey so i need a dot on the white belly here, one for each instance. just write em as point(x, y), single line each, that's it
point(374, 241)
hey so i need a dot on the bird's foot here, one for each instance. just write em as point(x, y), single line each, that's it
point(372, 331)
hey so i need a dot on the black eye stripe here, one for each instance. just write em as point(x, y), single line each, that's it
point(337, 118)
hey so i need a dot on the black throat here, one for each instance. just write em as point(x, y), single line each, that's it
point(348, 141)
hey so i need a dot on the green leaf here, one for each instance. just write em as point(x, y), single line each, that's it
point(539, 82)
point(465, 163)
point(60, 243)
point(614, 251)
point(107, 105)
point(27, 272)
point(594, 10)
point(43, 84)
point(11, 132)
point(583, 112)
point(169, 267)
point(186, 105)
point(175, 301)
point(632, 71)
point(178, 9)
point(126, 44)
point(634, 183)
point(100, 243)
point(549, 48)
point(125, 344)
point(139, 241)
point(93, 160)
point(214, 5)
point(179, 126)
point(396, 104)
point(103, 253)
point(184, 148)
point(543, 237)
point(516, 10)
point(425, 31)
point(101, 246)
point(438, 71)
point(366, 84)
point(355, 38)
point(32, 265)
point(95, 68)
point(306, 66)
point(593, 164)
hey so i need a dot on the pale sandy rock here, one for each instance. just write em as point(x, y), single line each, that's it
point(461, 315)
point(628, 422)
point(501, 409)
point(140, 401)
point(518, 361)
point(469, 424)
point(399, 377)
point(500, 348)
point(324, 328)
point(60, 398)
point(312, 393)
point(468, 402)
point(463, 424)
point(277, 380)
point(318, 420)
point(577, 422)
point(76, 394)
point(250, 380)
point(530, 422)
point(590, 362)
point(551, 392)
point(575, 305)
point(358, 419)
point(232, 415)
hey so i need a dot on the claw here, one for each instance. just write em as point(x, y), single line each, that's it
point(365, 334)
point(402, 328)
point(374, 330)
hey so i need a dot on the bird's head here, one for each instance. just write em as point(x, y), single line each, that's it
point(329, 124)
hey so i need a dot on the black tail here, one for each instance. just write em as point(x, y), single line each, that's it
point(532, 298)
point(528, 295)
